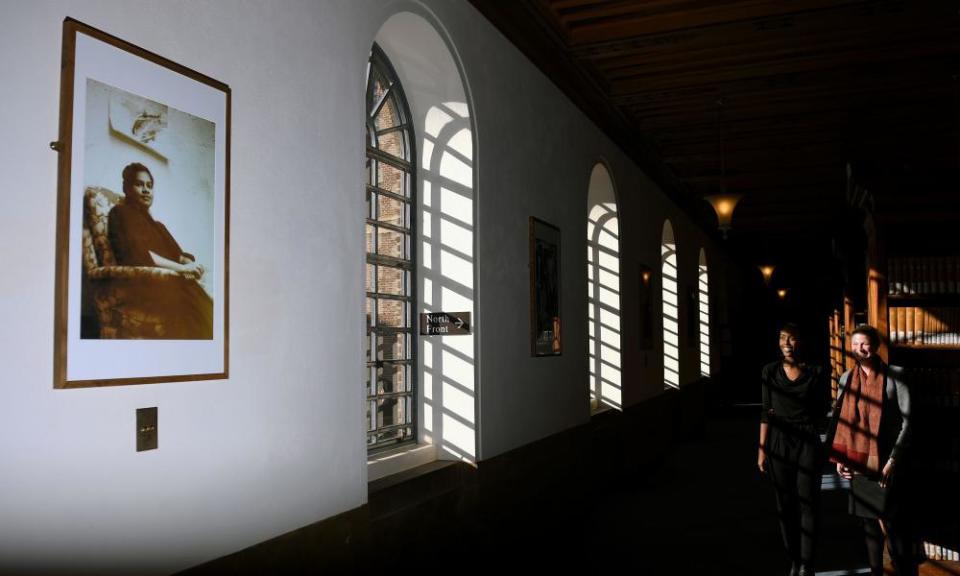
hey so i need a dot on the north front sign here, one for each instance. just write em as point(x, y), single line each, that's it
point(444, 323)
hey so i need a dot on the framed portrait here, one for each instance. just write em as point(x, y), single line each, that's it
point(142, 217)
point(545, 325)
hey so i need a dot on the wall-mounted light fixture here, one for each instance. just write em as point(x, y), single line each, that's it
point(782, 293)
point(645, 275)
point(767, 271)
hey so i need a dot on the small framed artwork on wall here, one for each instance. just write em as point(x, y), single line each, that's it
point(545, 321)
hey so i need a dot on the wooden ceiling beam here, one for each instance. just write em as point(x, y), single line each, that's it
point(522, 23)
point(773, 156)
point(934, 75)
point(747, 180)
point(925, 134)
point(774, 50)
point(801, 27)
point(799, 192)
point(902, 119)
point(686, 167)
point(745, 72)
point(923, 100)
point(599, 27)
point(807, 86)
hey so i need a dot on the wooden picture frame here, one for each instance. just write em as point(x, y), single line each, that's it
point(545, 310)
point(142, 217)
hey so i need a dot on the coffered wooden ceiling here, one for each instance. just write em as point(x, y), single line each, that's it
point(767, 98)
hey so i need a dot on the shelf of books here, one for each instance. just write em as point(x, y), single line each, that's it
point(923, 275)
point(914, 299)
point(911, 280)
point(923, 302)
point(935, 327)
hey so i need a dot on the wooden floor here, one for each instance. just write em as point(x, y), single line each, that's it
point(938, 568)
point(706, 510)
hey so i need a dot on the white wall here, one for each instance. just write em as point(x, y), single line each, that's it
point(535, 153)
point(273, 448)
point(242, 460)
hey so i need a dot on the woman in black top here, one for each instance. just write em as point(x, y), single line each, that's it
point(795, 402)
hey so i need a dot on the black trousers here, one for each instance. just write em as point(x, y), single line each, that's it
point(871, 503)
point(902, 547)
point(795, 459)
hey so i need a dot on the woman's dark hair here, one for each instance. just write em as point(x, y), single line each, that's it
point(130, 171)
point(872, 334)
point(791, 329)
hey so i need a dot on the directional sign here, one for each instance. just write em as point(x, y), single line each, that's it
point(444, 323)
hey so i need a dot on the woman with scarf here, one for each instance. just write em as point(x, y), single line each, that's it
point(870, 448)
point(796, 397)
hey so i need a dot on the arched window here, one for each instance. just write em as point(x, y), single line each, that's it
point(389, 386)
point(603, 290)
point(670, 298)
point(439, 128)
point(703, 298)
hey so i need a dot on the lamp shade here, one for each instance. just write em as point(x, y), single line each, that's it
point(767, 271)
point(723, 205)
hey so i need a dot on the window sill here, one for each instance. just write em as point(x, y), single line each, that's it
point(391, 462)
point(600, 409)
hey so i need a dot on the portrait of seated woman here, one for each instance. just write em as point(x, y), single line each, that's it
point(138, 240)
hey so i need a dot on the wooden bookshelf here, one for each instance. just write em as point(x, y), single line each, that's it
point(912, 289)
point(943, 300)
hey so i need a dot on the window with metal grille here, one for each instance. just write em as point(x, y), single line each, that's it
point(390, 386)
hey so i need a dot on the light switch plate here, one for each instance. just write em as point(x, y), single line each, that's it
point(146, 429)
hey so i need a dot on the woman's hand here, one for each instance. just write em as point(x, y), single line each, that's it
point(186, 267)
point(886, 473)
point(762, 455)
point(844, 472)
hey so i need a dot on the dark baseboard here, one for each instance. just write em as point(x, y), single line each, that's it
point(436, 508)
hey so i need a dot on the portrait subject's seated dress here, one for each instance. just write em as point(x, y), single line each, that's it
point(182, 302)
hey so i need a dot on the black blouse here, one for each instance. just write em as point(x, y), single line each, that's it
point(802, 402)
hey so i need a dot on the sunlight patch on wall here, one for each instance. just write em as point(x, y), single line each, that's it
point(457, 237)
point(448, 175)
point(703, 298)
point(434, 122)
point(458, 436)
point(671, 312)
point(462, 144)
point(458, 402)
point(457, 206)
point(603, 291)
point(445, 233)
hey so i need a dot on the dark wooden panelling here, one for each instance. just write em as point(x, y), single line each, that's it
point(807, 86)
